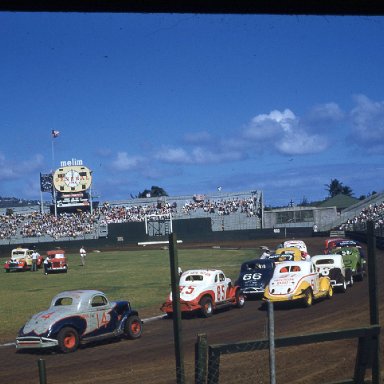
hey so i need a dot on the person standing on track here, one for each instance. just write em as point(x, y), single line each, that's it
point(83, 255)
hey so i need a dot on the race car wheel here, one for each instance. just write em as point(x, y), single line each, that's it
point(343, 287)
point(360, 274)
point(308, 298)
point(240, 299)
point(68, 339)
point(133, 327)
point(206, 306)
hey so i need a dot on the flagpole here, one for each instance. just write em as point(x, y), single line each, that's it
point(53, 161)
point(41, 198)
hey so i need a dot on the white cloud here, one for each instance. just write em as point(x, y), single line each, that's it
point(125, 163)
point(368, 124)
point(198, 155)
point(323, 116)
point(299, 142)
point(197, 137)
point(13, 170)
point(283, 132)
point(268, 127)
point(173, 155)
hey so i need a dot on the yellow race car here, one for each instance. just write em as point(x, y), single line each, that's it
point(297, 281)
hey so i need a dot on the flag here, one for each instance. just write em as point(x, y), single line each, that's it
point(46, 182)
point(55, 133)
point(219, 188)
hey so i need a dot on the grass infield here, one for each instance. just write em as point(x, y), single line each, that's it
point(143, 277)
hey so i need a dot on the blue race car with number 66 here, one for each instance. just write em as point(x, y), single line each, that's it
point(254, 277)
point(76, 317)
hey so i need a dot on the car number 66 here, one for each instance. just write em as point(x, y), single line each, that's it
point(252, 276)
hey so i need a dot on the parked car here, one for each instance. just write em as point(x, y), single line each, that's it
point(21, 260)
point(297, 281)
point(57, 262)
point(254, 276)
point(205, 290)
point(333, 267)
point(353, 259)
point(76, 317)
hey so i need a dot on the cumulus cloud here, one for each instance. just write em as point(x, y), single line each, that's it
point(269, 126)
point(174, 155)
point(368, 124)
point(323, 116)
point(123, 162)
point(284, 132)
point(13, 170)
point(197, 155)
point(197, 137)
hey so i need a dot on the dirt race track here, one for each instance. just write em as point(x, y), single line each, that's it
point(151, 358)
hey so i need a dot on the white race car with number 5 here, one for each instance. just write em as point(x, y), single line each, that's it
point(297, 281)
point(205, 290)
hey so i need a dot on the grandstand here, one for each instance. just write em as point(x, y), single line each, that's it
point(227, 211)
point(153, 217)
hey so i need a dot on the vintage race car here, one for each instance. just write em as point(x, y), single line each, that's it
point(21, 260)
point(205, 290)
point(330, 243)
point(297, 281)
point(353, 259)
point(76, 317)
point(340, 243)
point(333, 267)
point(286, 254)
point(57, 262)
point(296, 243)
point(254, 276)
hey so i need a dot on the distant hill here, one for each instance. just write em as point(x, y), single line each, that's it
point(8, 202)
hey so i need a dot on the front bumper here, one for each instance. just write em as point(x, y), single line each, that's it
point(184, 307)
point(25, 342)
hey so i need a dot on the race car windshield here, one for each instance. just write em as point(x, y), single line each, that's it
point(324, 261)
point(63, 301)
point(252, 267)
point(194, 278)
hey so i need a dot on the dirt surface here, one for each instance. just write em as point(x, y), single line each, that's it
point(151, 359)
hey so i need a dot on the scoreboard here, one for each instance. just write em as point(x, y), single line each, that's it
point(71, 185)
point(71, 179)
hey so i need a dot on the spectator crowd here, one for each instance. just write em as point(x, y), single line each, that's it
point(374, 212)
point(35, 224)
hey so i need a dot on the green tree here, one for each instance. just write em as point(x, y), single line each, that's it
point(335, 187)
point(155, 191)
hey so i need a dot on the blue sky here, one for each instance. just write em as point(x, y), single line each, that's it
point(282, 104)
